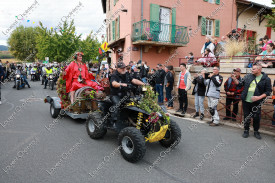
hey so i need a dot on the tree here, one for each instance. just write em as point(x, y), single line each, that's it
point(89, 47)
point(22, 44)
point(59, 44)
point(271, 18)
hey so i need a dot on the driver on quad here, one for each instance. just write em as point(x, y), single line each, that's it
point(119, 83)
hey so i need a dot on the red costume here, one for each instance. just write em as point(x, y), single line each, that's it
point(72, 74)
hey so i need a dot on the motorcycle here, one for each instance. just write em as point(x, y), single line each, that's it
point(51, 78)
point(35, 76)
point(19, 81)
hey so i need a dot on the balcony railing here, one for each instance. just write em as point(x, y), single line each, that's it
point(160, 32)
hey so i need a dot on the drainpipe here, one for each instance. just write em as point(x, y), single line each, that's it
point(141, 27)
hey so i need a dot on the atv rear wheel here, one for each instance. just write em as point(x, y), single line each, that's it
point(172, 136)
point(94, 126)
point(132, 144)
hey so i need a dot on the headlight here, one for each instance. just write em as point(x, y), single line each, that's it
point(144, 88)
point(18, 76)
point(51, 76)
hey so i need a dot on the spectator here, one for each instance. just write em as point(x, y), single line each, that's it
point(223, 42)
point(169, 84)
point(183, 86)
point(144, 69)
point(199, 92)
point(258, 49)
point(268, 58)
point(152, 79)
point(257, 86)
point(131, 63)
point(190, 60)
point(207, 44)
point(266, 41)
point(233, 94)
point(213, 84)
point(136, 73)
point(159, 83)
point(208, 59)
point(218, 48)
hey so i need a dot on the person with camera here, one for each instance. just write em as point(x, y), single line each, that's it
point(213, 84)
point(199, 92)
point(233, 94)
point(119, 82)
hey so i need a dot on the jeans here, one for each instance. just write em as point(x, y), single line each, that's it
point(235, 102)
point(169, 96)
point(252, 110)
point(199, 103)
point(144, 80)
point(159, 89)
point(213, 103)
point(183, 99)
point(115, 108)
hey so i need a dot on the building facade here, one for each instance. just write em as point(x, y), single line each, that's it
point(164, 31)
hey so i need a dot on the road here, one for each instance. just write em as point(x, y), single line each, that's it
point(35, 148)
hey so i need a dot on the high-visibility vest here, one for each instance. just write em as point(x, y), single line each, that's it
point(35, 69)
point(48, 72)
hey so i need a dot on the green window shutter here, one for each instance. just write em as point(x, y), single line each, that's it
point(205, 0)
point(154, 19)
point(118, 28)
point(115, 2)
point(114, 30)
point(203, 26)
point(217, 1)
point(173, 32)
point(217, 28)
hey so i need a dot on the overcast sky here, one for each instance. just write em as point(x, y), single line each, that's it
point(88, 16)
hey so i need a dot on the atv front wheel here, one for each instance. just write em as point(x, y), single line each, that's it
point(94, 126)
point(172, 136)
point(132, 144)
point(54, 111)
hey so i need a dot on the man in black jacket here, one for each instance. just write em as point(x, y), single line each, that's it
point(199, 92)
point(159, 83)
point(257, 86)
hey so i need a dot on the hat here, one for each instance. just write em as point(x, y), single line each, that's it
point(120, 65)
point(237, 69)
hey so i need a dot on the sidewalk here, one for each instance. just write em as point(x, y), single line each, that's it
point(191, 111)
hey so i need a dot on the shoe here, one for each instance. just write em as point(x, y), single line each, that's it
point(209, 122)
point(202, 116)
point(245, 134)
point(42, 84)
point(213, 124)
point(13, 86)
point(0, 102)
point(196, 115)
point(183, 113)
point(226, 118)
point(179, 110)
point(257, 135)
point(45, 87)
point(29, 86)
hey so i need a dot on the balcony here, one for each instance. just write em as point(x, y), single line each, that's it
point(158, 34)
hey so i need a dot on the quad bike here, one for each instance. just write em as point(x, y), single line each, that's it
point(135, 125)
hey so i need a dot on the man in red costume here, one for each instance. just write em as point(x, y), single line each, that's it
point(77, 76)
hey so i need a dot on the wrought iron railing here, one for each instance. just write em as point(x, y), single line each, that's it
point(159, 32)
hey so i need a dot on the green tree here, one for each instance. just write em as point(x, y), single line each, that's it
point(22, 44)
point(271, 18)
point(89, 47)
point(59, 44)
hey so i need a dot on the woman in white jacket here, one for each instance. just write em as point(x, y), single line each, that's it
point(208, 44)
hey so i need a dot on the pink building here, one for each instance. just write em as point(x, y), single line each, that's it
point(164, 31)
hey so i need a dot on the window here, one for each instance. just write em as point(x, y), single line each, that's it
point(209, 27)
point(211, 1)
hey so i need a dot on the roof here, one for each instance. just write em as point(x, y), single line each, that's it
point(257, 3)
point(103, 2)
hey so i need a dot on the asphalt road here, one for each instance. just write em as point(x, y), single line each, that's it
point(35, 148)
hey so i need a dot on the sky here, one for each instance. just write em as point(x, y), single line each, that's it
point(87, 14)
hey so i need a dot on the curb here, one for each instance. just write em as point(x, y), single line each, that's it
point(188, 117)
